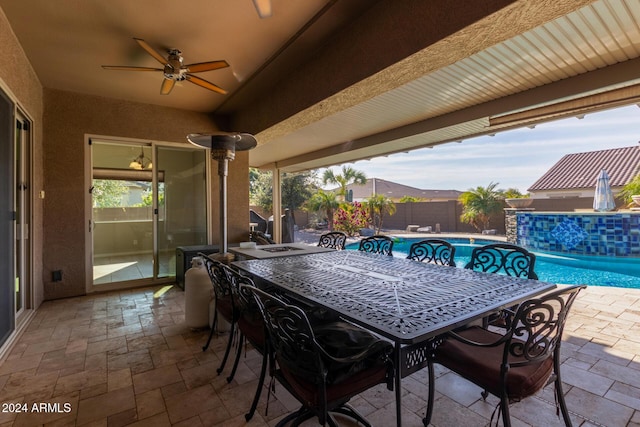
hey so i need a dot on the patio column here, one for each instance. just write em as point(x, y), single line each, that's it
point(277, 206)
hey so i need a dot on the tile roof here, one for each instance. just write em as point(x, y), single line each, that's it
point(581, 170)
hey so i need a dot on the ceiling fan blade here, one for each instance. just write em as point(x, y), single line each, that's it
point(167, 85)
point(206, 66)
point(126, 68)
point(205, 84)
point(151, 51)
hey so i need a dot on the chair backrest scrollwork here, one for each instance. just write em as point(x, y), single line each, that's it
point(537, 326)
point(291, 335)
point(377, 244)
point(503, 258)
point(219, 275)
point(333, 239)
point(434, 251)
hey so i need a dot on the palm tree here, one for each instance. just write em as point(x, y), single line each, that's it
point(323, 201)
point(379, 205)
point(349, 176)
point(479, 204)
point(632, 188)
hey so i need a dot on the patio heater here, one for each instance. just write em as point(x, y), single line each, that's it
point(223, 148)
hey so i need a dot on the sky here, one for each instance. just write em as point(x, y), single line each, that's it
point(513, 159)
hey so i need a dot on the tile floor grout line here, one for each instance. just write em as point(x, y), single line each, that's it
point(594, 422)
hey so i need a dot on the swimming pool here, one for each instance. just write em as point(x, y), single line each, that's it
point(555, 268)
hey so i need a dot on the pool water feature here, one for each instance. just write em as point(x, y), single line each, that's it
point(550, 267)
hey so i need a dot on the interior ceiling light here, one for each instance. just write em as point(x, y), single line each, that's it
point(263, 7)
point(141, 162)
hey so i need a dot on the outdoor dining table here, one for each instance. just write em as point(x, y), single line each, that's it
point(408, 302)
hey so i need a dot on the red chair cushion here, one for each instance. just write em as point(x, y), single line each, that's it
point(481, 365)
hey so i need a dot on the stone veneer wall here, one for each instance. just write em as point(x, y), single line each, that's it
point(604, 234)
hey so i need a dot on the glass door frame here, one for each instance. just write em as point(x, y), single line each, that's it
point(154, 144)
point(24, 199)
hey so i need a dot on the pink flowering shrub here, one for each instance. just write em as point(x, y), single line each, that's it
point(350, 218)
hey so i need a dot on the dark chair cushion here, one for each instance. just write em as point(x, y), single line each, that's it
point(252, 326)
point(481, 365)
point(308, 391)
point(224, 306)
point(345, 340)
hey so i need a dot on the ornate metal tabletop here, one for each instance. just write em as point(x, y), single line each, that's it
point(404, 300)
point(407, 301)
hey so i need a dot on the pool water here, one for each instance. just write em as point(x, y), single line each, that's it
point(555, 268)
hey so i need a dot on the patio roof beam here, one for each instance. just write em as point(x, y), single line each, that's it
point(605, 80)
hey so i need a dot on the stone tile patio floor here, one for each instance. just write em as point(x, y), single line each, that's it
point(127, 358)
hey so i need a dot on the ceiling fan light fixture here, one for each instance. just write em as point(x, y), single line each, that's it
point(141, 162)
point(263, 7)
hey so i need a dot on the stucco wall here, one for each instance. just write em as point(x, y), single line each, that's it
point(18, 79)
point(68, 117)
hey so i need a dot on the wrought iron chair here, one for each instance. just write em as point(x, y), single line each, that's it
point(503, 258)
point(517, 363)
point(224, 305)
point(377, 244)
point(333, 239)
point(322, 367)
point(260, 238)
point(434, 251)
point(251, 328)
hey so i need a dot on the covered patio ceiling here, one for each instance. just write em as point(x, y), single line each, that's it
point(580, 62)
point(324, 82)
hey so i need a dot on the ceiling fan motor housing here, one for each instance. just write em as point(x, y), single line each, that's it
point(174, 68)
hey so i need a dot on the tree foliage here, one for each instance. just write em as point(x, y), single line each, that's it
point(479, 204)
point(296, 188)
point(325, 201)
point(379, 205)
point(513, 193)
point(348, 176)
point(147, 198)
point(410, 199)
point(632, 188)
point(108, 193)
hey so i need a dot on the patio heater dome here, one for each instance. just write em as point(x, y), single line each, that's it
point(223, 141)
point(223, 146)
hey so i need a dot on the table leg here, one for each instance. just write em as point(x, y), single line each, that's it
point(398, 385)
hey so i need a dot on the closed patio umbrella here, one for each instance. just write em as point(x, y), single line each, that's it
point(603, 199)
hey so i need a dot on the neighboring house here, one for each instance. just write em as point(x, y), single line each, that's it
point(575, 175)
point(396, 191)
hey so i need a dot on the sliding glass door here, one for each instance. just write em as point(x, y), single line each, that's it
point(182, 204)
point(22, 169)
point(7, 218)
point(147, 199)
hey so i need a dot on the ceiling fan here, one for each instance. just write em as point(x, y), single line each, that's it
point(174, 70)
